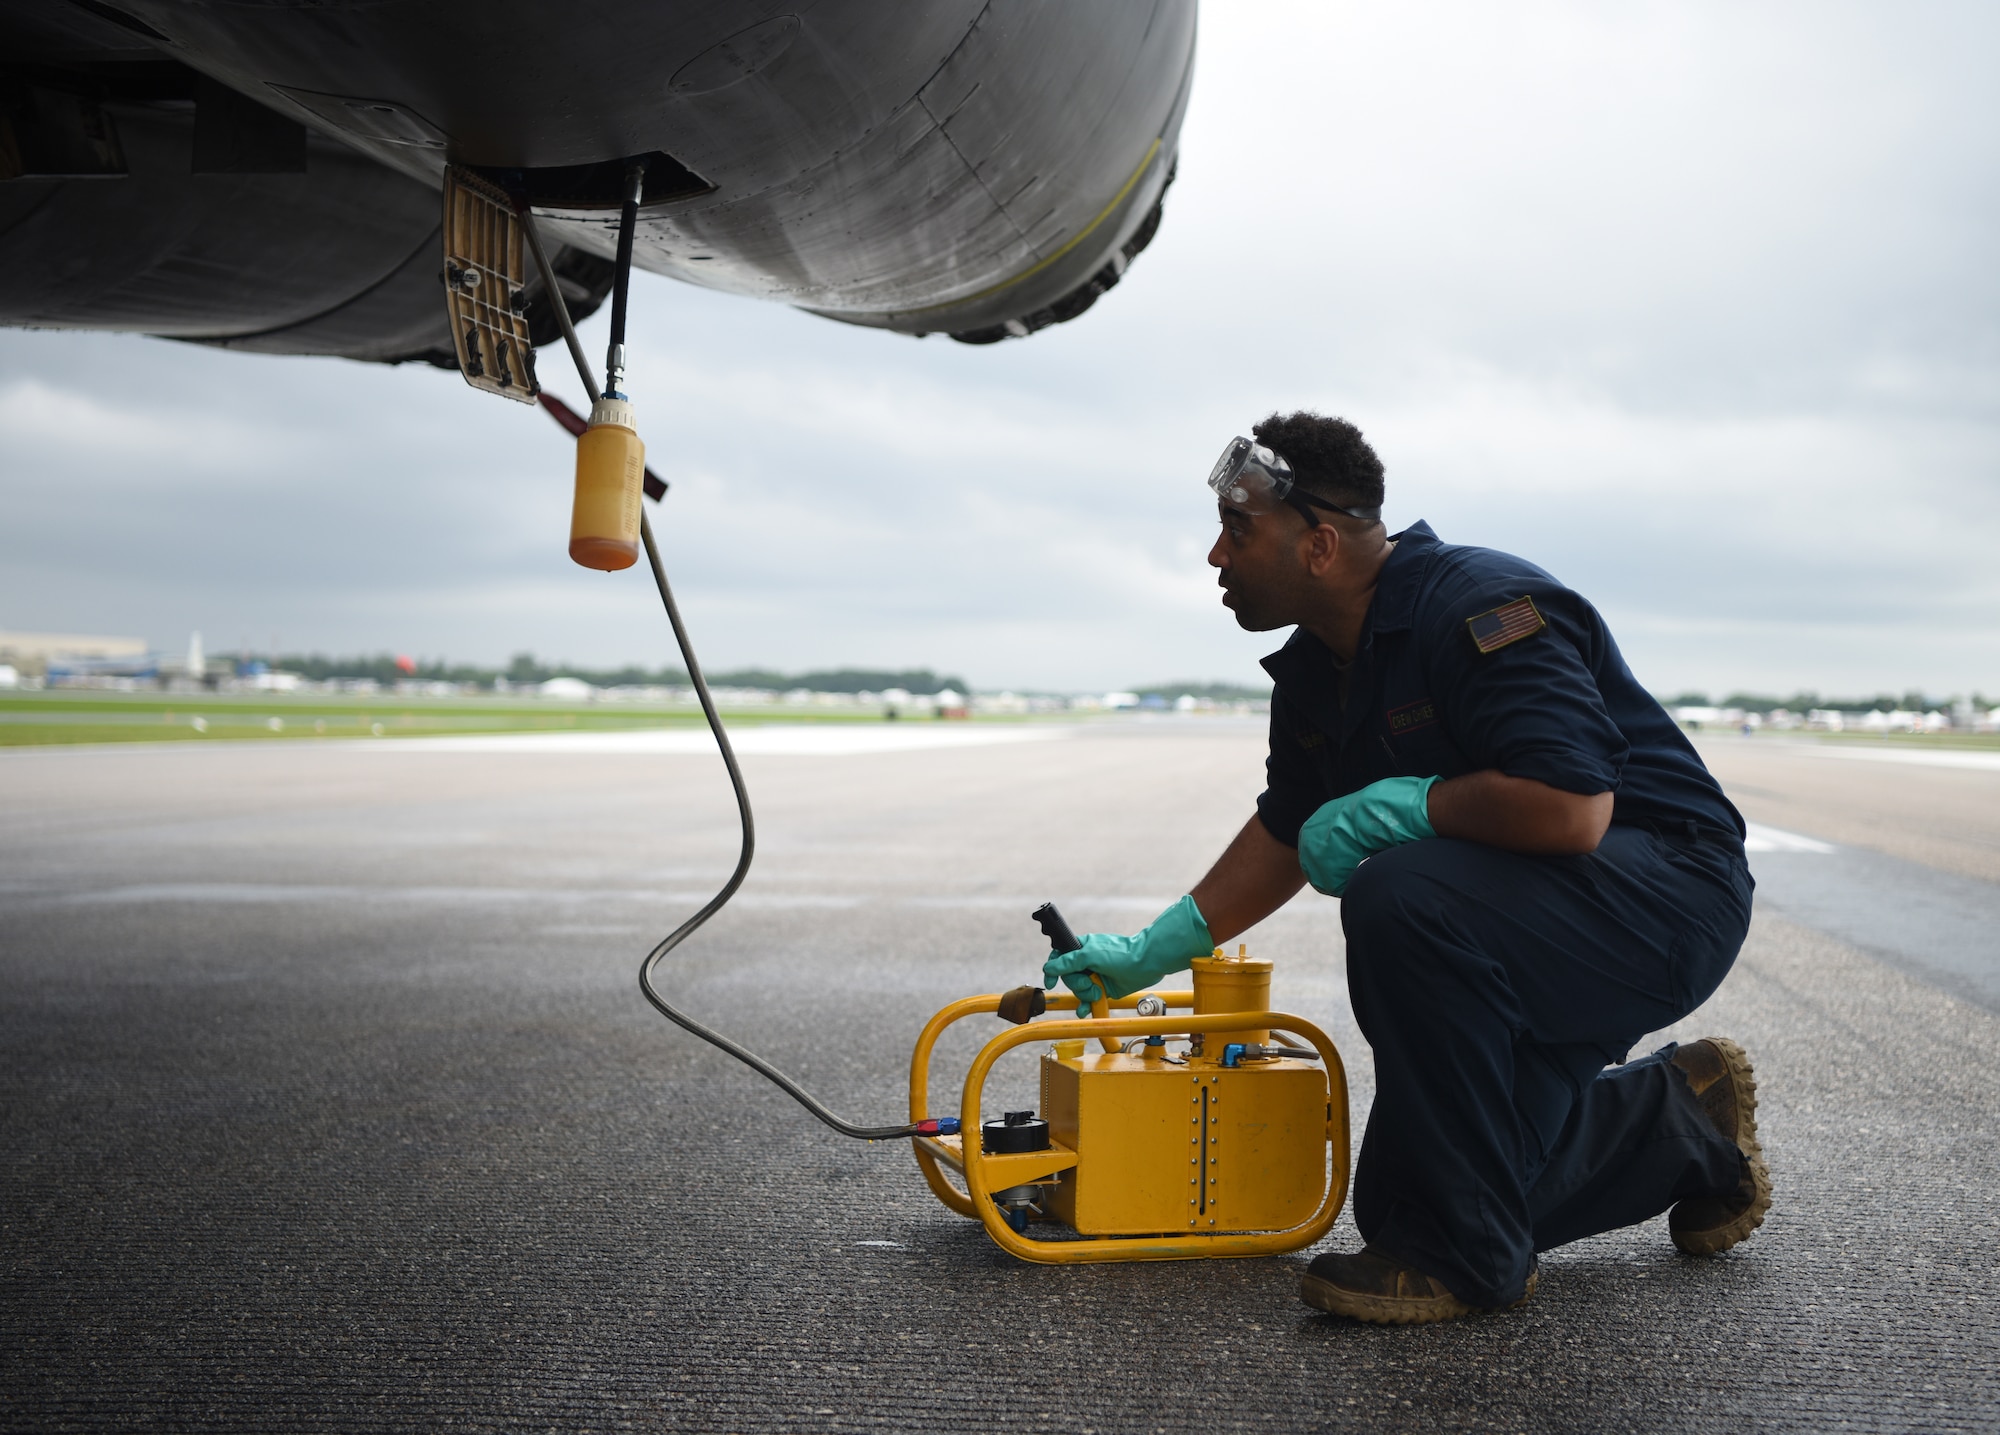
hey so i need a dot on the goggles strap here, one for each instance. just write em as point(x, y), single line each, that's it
point(1305, 503)
point(1305, 509)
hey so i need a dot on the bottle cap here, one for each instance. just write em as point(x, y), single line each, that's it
point(614, 411)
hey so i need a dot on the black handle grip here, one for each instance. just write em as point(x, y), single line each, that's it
point(1055, 928)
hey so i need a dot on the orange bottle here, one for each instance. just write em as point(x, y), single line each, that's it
point(610, 468)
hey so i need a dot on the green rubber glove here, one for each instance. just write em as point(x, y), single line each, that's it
point(1131, 964)
point(1349, 830)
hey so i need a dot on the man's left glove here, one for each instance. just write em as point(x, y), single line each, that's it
point(1131, 964)
point(1348, 830)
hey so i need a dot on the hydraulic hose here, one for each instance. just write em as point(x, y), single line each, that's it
point(621, 278)
point(748, 822)
point(686, 929)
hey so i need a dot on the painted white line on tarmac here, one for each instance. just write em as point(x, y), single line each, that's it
point(1776, 839)
point(775, 740)
point(1970, 760)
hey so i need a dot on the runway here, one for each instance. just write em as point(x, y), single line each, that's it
point(1914, 875)
point(330, 1102)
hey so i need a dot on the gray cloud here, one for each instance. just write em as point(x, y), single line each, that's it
point(1692, 305)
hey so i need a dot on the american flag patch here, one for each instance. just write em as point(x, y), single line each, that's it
point(1509, 623)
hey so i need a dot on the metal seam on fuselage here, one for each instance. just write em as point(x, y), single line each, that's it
point(1036, 268)
point(970, 168)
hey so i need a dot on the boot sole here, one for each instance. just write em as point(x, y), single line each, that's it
point(1379, 1310)
point(1394, 1310)
point(1717, 1239)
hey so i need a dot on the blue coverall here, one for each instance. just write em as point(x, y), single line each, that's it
point(1496, 989)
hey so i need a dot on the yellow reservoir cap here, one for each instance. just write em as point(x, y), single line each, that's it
point(610, 469)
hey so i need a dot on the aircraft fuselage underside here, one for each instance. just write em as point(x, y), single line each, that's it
point(266, 176)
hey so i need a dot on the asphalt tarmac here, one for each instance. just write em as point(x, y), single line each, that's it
point(330, 1103)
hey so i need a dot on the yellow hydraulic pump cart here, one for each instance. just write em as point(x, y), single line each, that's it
point(1231, 1146)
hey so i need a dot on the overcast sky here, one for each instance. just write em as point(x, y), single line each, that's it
point(1694, 305)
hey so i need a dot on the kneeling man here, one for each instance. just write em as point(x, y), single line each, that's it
point(1535, 870)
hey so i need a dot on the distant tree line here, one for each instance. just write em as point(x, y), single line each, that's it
point(526, 669)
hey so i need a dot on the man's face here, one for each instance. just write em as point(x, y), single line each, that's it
point(1261, 568)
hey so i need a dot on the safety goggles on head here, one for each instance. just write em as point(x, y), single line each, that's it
point(1251, 477)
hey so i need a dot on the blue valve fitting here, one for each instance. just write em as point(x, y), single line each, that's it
point(1232, 1054)
point(939, 1126)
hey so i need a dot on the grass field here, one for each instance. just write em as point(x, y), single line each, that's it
point(71, 716)
point(63, 717)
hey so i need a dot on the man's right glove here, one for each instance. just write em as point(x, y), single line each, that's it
point(1131, 964)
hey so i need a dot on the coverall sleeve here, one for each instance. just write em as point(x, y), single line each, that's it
point(1531, 708)
point(1293, 787)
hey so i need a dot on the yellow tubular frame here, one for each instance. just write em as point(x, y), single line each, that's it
point(920, 1070)
point(976, 1201)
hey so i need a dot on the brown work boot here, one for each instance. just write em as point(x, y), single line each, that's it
point(1718, 1073)
point(1371, 1286)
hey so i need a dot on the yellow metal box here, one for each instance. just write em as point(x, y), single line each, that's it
point(1195, 1149)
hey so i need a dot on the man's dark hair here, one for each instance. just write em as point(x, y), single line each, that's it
point(1329, 457)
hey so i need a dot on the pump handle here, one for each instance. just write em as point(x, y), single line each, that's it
point(1055, 928)
point(1064, 940)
